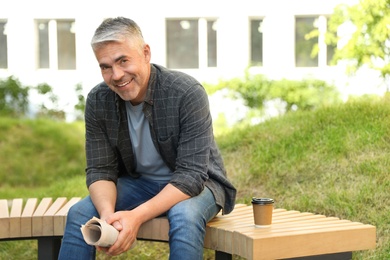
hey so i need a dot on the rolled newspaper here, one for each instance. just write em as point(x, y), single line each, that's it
point(97, 232)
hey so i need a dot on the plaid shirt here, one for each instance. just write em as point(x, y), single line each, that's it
point(177, 108)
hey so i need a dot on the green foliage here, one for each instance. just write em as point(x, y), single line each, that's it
point(45, 112)
point(13, 97)
point(369, 43)
point(256, 89)
point(80, 106)
point(14, 100)
point(307, 94)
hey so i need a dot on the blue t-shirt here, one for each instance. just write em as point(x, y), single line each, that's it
point(149, 162)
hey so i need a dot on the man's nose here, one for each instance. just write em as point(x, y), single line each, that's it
point(117, 73)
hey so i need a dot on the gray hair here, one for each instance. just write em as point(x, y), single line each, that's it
point(117, 29)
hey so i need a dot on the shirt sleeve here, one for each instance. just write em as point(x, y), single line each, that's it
point(195, 139)
point(101, 157)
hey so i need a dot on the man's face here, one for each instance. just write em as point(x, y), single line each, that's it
point(125, 69)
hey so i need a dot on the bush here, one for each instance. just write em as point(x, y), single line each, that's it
point(256, 90)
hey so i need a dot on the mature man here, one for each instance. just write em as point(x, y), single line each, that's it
point(150, 150)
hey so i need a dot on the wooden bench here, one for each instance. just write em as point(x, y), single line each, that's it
point(293, 234)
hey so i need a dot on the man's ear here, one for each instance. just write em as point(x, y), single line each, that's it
point(147, 53)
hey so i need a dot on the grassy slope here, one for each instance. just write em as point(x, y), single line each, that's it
point(40, 158)
point(333, 161)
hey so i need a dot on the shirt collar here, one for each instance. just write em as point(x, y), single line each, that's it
point(151, 85)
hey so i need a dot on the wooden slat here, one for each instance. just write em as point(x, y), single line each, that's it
point(145, 231)
point(26, 219)
point(48, 216)
point(155, 229)
point(15, 215)
point(160, 227)
point(37, 219)
point(312, 242)
point(4, 219)
point(60, 216)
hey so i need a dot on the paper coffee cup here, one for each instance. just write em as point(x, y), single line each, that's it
point(262, 211)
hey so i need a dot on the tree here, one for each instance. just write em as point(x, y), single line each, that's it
point(54, 112)
point(80, 106)
point(362, 35)
point(13, 97)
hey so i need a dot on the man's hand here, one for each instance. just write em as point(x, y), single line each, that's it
point(125, 222)
point(129, 222)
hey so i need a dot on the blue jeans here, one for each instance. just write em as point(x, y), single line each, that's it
point(187, 220)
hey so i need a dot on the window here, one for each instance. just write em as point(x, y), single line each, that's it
point(43, 48)
point(330, 49)
point(212, 43)
point(56, 44)
point(191, 43)
point(304, 46)
point(256, 47)
point(3, 45)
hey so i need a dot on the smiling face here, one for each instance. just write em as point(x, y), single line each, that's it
point(125, 68)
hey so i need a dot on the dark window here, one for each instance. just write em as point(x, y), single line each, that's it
point(256, 42)
point(212, 43)
point(3, 45)
point(303, 46)
point(66, 45)
point(182, 44)
point(330, 49)
point(43, 45)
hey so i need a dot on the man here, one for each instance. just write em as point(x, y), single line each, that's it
point(150, 150)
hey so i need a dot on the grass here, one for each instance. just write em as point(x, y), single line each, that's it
point(332, 161)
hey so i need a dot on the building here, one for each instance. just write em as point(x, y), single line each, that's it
point(48, 41)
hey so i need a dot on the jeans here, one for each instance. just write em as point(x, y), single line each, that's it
point(187, 220)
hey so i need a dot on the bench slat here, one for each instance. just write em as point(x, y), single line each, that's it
point(15, 221)
point(155, 229)
point(305, 243)
point(37, 219)
point(26, 219)
point(4, 219)
point(48, 216)
point(60, 216)
point(160, 227)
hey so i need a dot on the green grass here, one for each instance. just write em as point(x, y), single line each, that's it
point(333, 161)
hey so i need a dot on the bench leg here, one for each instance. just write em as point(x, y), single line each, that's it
point(335, 256)
point(222, 256)
point(48, 248)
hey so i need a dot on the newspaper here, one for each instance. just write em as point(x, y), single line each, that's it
point(97, 232)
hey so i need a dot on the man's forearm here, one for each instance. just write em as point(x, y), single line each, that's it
point(103, 194)
point(161, 203)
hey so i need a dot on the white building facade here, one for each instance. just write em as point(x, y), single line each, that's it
point(48, 41)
